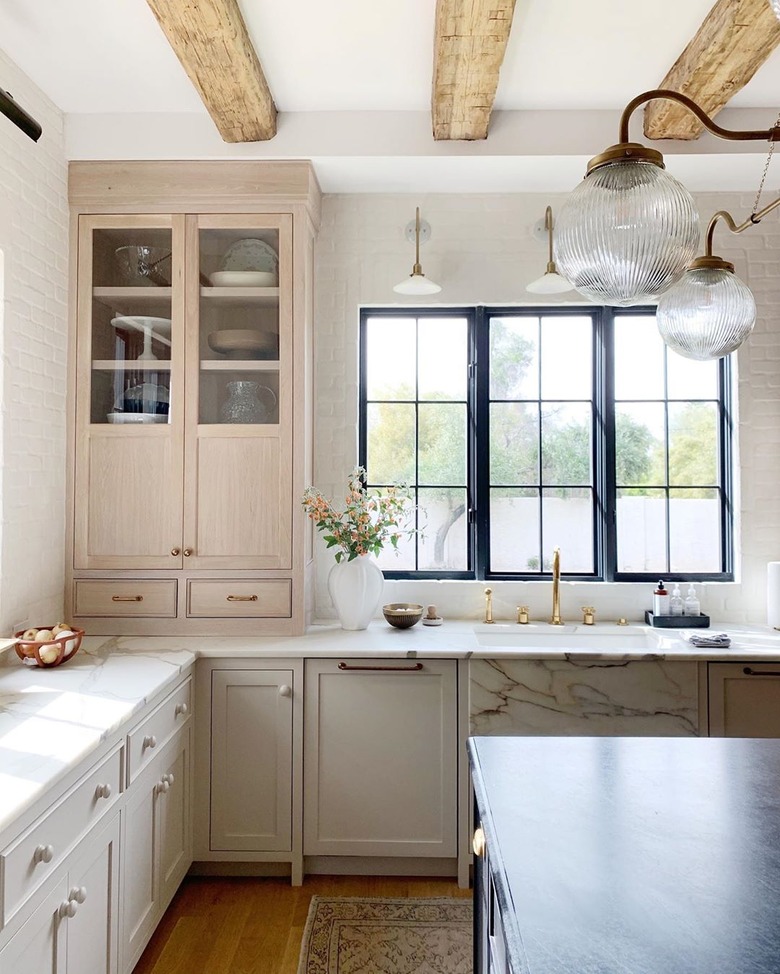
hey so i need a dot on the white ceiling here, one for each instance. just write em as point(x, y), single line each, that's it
point(101, 59)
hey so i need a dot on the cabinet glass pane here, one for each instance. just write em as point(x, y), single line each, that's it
point(239, 342)
point(131, 326)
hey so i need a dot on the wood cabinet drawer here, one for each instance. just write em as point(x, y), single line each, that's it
point(40, 850)
point(126, 597)
point(148, 738)
point(244, 599)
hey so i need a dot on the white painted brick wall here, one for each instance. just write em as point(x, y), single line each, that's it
point(481, 251)
point(34, 245)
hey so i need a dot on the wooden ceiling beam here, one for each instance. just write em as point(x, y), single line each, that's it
point(210, 39)
point(469, 45)
point(734, 40)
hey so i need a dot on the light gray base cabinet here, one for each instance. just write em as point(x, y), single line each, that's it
point(744, 699)
point(380, 758)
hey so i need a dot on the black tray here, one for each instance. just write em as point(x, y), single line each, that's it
point(677, 622)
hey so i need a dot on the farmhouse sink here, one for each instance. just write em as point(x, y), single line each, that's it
point(607, 637)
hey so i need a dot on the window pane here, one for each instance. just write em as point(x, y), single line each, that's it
point(514, 530)
point(400, 559)
point(567, 523)
point(641, 531)
point(514, 358)
point(443, 358)
point(639, 358)
point(442, 443)
point(567, 357)
point(391, 442)
point(514, 443)
point(687, 379)
point(390, 358)
point(443, 545)
point(694, 530)
point(693, 443)
point(639, 444)
point(566, 443)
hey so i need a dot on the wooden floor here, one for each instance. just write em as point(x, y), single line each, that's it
point(254, 926)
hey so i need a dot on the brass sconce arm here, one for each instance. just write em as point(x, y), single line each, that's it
point(727, 218)
point(770, 135)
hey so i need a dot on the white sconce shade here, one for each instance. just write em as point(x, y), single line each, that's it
point(417, 284)
point(707, 314)
point(626, 233)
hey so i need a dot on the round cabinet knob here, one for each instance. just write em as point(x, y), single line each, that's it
point(150, 741)
point(478, 844)
point(181, 710)
point(68, 908)
point(78, 894)
point(285, 691)
point(175, 552)
point(187, 552)
point(168, 778)
point(43, 853)
point(162, 786)
point(103, 791)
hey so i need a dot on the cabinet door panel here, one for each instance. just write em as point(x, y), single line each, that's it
point(130, 512)
point(39, 946)
point(173, 815)
point(92, 931)
point(251, 761)
point(243, 502)
point(380, 759)
point(744, 699)
point(139, 878)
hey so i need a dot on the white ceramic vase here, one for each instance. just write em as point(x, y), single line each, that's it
point(355, 589)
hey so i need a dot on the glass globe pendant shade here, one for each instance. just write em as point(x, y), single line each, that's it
point(627, 232)
point(708, 313)
point(776, 7)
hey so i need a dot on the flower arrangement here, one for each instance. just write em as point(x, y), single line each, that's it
point(368, 522)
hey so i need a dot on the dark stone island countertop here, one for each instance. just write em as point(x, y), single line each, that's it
point(633, 855)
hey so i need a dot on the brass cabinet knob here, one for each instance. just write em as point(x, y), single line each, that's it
point(478, 843)
point(175, 552)
point(187, 552)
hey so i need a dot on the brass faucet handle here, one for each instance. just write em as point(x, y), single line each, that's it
point(522, 615)
point(588, 615)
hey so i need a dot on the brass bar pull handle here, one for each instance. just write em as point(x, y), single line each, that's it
point(749, 671)
point(415, 667)
point(242, 598)
point(127, 598)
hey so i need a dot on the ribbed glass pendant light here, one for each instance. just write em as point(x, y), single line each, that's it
point(708, 313)
point(626, 233)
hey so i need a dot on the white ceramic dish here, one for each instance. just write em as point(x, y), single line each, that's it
point(243, 343)
point(137, 418)
point(158, 326)
point(244, 279)
point(250, 254)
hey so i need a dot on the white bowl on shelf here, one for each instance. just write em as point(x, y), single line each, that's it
point(137, 417)
point(244, 278)
point(244, 343)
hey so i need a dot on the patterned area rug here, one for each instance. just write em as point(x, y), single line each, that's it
point(356, 935)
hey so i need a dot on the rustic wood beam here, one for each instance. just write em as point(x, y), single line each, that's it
point(734, 40)
point(469, 46)
point(210, 39)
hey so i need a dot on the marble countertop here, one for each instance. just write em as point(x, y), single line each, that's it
point(51, 719)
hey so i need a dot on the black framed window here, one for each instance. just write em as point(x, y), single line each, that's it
point(523, 429)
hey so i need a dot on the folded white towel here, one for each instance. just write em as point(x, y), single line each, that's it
point(717, 640)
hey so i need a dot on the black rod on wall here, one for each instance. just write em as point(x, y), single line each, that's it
point(19, 116)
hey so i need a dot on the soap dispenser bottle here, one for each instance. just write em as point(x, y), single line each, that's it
point(660, 600)
point(676, 602)
point(691, 606)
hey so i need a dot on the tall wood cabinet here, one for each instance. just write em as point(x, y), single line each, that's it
point(191, 381)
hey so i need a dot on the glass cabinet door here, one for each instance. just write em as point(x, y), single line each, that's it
point(131, 271)
point(239, 324)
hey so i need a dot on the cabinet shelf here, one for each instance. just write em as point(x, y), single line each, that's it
point(128, 300)
point(268, 296)
point(130, 365)
point(239, 365)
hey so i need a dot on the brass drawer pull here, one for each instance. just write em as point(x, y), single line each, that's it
point(127, 598)
point(389, 669)
point(242, 598)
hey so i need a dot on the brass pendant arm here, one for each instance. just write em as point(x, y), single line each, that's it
point(548, 226)
point(727, 218)
point(771, 135)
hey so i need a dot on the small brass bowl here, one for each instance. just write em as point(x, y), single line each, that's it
point(402, 615)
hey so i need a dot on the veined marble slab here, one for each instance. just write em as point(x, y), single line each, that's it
point(656, 698)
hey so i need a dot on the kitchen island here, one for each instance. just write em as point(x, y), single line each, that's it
point(627, 855)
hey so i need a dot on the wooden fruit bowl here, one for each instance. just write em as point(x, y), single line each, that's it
point(55, 651)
